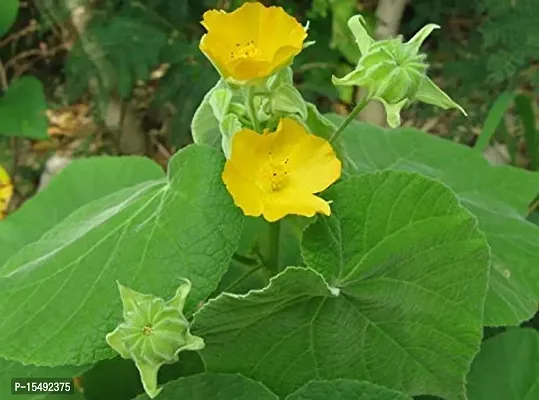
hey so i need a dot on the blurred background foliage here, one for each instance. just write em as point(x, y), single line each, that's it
point(125, 77)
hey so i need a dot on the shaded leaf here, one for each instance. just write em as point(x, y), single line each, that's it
point(8, 14)
point(22, 109)
point(507, 367)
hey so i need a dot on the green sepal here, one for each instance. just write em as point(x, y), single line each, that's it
point(229, 126)
point(288, 100)
point(153, 333)
point(357, 25)
point(393, 116)
point(430, 93)
point(417, 40)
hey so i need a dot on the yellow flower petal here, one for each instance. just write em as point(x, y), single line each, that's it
point(294, 202)
point(307, 155)
point(277, 173)
point(251, 42)
point(6, 191)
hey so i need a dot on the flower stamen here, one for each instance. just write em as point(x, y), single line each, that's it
point(147, 330)
point(278, 179)
point(247, 50)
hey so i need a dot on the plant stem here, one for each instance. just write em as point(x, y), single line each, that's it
point(359, 106)
point(274, 245)
point(250, 97)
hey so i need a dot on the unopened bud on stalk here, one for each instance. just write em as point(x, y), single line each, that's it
point(394, 72)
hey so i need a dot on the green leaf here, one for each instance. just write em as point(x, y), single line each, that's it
point(274, 321)
point(22, 109)
point(8, 14)
point(498, 196)
point(215, 387)
point(229, 126)
point(287, 99)
point(205, 126)
point(493, 120)
point(345, 389)
point(12, 369)
point(507, 367)
point(62, 289)
point(79, 183)
point(407, 274)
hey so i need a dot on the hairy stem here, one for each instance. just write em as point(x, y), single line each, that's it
point(359, 106)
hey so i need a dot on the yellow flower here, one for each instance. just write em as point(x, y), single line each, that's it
point(277, 173)
point(6, 191)
point(251, 42)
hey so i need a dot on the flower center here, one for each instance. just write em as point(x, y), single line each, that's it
point(244, 50)
point(278, 175)
point(147, 330)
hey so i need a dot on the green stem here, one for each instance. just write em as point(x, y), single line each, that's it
point(359, 106)
point(249, 98)
point(274, 245)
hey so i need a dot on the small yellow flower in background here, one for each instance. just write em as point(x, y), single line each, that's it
point(277, 173)
point(251, 42)
point(6, 191)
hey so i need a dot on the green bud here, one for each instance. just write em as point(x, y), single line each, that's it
point(153, 332)
point(287, 99)
point(394, 72)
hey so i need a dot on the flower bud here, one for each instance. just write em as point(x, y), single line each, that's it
point(394, 72)
point(154, 331)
